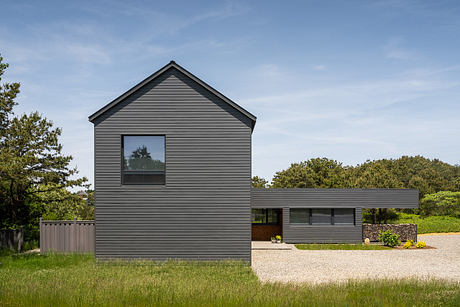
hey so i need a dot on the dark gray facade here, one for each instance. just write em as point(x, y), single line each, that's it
point(322, 234)
point(334, 198)
point(203, 210)
point(200, 208)
point(330, 198)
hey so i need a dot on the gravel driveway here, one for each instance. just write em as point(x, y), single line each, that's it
point(318, 266)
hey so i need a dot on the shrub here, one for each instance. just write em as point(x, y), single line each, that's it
point(441, 203)
point(278, 237)
point(421, 244)
point(407, 244)
point(389, 238)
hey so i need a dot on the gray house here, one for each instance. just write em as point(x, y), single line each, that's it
point(173, 180)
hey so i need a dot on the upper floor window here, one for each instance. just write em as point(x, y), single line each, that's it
point(143, 159)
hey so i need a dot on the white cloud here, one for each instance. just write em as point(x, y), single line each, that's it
point(395, 49)
point(319, 67)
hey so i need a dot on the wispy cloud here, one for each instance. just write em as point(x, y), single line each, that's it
point(319, 67)
point(395, 49)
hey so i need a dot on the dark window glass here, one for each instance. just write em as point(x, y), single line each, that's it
point(344, 216)
point(299, 216)
point(273, 216)
point(321, 217)
point(143, 159)
point(265, 216)
point(259, 216)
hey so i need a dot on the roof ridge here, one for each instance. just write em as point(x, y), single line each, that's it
point(159, 72)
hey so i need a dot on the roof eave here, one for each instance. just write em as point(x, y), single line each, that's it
point(171, 64)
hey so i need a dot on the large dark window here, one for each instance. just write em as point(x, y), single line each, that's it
point(265, 216)
point(344, 216)
point(143, 159)
point(322, 216)
point(299, 216)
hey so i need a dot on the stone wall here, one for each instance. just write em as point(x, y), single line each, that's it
point(405, 231)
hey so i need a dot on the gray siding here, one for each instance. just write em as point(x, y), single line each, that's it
point(330, 198)
point(322, 234)
point(203, 211)
point(334, 198)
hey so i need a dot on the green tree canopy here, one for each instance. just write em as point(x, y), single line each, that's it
point(31, 159)
point(314, 173)
point(259, 182)
point(441, 203)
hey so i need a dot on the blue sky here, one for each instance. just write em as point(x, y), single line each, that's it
point(348, 80)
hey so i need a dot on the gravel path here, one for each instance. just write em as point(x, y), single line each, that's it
point(318, 266)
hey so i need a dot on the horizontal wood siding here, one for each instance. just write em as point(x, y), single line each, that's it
point(322, 234)
point(334, 198)
point(203, 210)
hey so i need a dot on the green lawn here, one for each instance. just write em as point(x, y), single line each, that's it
point(430, 224)
point(341, 246)
point(76, 280)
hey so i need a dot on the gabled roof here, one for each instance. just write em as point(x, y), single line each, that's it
point(155, 75)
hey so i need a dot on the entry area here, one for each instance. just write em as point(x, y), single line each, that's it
point(266, 223)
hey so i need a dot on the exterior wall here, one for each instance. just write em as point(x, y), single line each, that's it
point(334, 198)
point(266, 232)
point(322, 234)
point(330, 198)
point(203, 210)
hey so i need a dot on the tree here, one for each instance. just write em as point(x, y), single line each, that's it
point(8, 93)
point(314, 173)
point(259, 182)
point(374, 174)
point(140, 159)
point(441, 203)
point(31, 159)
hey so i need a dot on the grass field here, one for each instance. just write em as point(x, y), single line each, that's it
point(341, 247)
point(430, 224)
point(76, 280)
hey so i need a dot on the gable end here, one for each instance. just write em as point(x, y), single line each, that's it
point(172, 64)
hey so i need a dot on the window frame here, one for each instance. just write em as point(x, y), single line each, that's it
point(300, 224)
point(310, 213)
point(343, 224)
point(122, 154)
point(278, 222)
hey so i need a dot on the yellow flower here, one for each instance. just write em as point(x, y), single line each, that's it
point(420, 244)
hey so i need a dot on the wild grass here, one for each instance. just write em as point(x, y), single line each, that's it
point(430, 224)
point(341, 247)
point(76, 280)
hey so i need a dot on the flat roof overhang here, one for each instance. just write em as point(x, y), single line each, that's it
point(334, 198)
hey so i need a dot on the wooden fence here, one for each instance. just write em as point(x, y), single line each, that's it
point(66, 236)
point(12, 239)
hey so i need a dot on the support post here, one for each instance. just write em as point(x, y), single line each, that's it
point(75, 244)
point(41, 237)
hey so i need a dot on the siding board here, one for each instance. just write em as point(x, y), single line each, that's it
point(334, 198)
point(330, 198)
point(203, 211)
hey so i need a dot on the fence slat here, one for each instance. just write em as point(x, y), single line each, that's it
point(66, 236)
